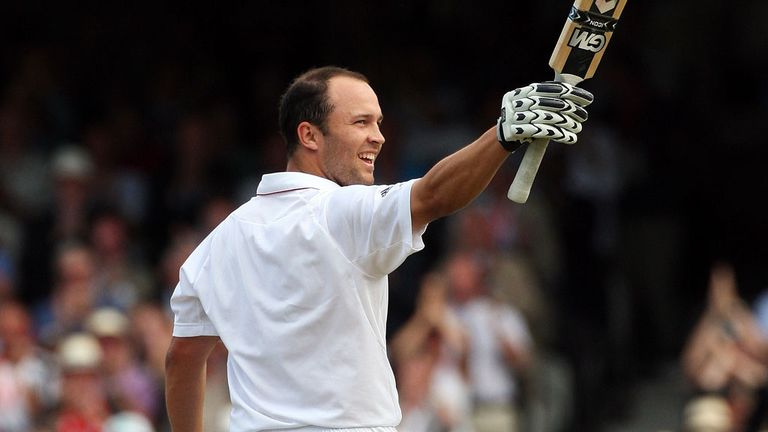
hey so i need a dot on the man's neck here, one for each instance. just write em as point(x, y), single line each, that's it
point(297, 164)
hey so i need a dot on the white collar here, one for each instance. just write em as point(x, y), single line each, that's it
point(287, 181)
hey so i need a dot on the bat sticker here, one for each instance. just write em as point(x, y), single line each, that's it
point(592, 20)
point(604, 6)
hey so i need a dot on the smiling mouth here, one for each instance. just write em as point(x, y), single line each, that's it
point(368, 158)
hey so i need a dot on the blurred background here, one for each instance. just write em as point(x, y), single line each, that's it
point(127, 132)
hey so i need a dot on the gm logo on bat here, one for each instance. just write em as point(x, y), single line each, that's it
point(587, 40)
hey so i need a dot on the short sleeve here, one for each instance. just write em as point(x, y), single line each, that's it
point(372, 225)
point(189, 317)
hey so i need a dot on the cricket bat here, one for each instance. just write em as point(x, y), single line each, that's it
point(579, 50)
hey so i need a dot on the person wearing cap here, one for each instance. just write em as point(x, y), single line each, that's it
point(83, 404)
point(65, 219)
point(130, 385)
point(128, 422)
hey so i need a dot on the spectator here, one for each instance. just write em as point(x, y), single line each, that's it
point(64, 220)
point(549, 388)
point(725, 355)
point(190, 171)
point(176, 252)
point(117, 182)
point(151, 334)
point(23, 168)
point(500, 346)
point(72, 169)
point(129, 384)
point(28, 374)
point(429, 357)
point(84, 406)
point(122, 279)
point(73, 297)
point(151, 326)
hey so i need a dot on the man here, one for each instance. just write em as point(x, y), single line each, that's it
point(294, 282)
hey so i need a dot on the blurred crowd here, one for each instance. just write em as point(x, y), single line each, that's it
point(128, 133)
point(725, 360)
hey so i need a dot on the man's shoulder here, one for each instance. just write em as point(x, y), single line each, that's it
point(359, 199)
point(377, 190)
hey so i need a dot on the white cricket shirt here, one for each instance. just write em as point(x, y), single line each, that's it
point(294, 282)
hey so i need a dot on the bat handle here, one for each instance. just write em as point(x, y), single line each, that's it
point(529, 166)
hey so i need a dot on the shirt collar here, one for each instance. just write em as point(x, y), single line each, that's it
point(287, 181)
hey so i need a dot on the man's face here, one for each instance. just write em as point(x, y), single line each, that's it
point(353, 139)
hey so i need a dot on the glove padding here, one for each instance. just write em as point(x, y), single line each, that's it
point(551, 110)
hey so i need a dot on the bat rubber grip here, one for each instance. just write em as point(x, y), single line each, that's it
point(526, 173)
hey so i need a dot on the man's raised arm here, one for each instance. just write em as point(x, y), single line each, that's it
point(541, 110)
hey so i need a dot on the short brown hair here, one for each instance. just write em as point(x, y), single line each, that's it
point(306, 99)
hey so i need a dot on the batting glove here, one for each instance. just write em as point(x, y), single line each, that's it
point(550, 110)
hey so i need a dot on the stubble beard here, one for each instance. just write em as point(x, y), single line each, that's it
point(340, 169)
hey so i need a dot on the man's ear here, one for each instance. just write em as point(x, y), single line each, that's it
point(309, 135)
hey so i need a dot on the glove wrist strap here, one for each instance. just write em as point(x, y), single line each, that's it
point(510, 146)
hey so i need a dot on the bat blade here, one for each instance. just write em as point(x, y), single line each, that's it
point(577, 54)
point(585, 36)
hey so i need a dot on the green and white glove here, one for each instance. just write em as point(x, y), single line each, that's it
point(549, 110)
